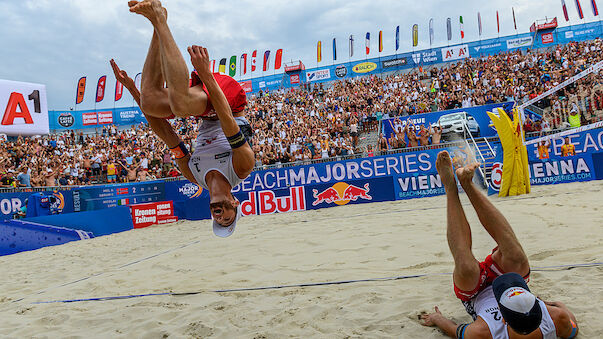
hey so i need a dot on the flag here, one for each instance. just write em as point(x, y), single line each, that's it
point(430, 32)
point(253, 57)
point(449, 28)
point(497, 22)
point(222, 66)
point(368, 43)
point(593, 4)
point(334, 49)
point(278, 59)
point(138, 80)
point(232, 66)
point(100, 88)
point(514, 21)
point(122, 202)
point(565, 14)
point(266, 60)
point(415, 35)
point(479, 23)
point(243, 63)
point(579, 9)
point(80, 90)
point(213, 66)
point(397, 38)
point(351, 46)
point(380, 41)
point(119, 90)
point(319, 51)
point(462, 27)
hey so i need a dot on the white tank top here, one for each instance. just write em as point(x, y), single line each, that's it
point(486, 307)
point(212, 152)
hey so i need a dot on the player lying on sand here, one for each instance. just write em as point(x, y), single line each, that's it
point(222, 157)
point(494, 292)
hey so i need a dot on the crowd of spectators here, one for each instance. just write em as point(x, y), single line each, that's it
point(318, 121)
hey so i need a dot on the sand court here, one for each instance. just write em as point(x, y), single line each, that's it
point(557, 225)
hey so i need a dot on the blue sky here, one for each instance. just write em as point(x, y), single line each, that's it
point(55, 42)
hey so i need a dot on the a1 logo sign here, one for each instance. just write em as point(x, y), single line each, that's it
point(25, 109)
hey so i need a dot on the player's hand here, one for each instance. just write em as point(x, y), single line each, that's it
point(199, 59)
point(121, 75)
point(429, 319)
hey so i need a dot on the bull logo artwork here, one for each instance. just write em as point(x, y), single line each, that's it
point(341, 193)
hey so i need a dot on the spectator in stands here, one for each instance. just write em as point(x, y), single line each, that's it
point(24, 177)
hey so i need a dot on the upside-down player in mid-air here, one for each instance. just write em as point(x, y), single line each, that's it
point(222, 157)
point(494, 292)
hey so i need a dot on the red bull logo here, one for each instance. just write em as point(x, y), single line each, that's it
point(266, 202)
point(341, 193)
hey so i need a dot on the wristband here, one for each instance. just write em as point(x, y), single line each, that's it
point(237, 140)
point(180, 151)
point(460, 331)
point(574, 330)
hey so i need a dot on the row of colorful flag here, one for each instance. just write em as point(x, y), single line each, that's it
point(100, 88)
point(232, 71)
point(415, 31)
point(593, 5)
point(232, 63)
point(414, 36)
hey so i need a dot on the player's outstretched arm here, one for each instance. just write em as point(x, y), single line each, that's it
point(162, 128)
point(477, 329)
point(243, 155)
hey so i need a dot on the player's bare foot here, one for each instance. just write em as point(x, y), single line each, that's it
point(465, 174)
point(150, 9)
point(444, 167)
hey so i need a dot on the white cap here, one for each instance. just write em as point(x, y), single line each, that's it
point(226, 231)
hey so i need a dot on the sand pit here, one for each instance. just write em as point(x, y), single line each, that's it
point(557, 225)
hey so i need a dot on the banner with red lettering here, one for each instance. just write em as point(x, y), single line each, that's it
point(144, 215)
point(119, 90)
point(100, 88)
point(80, 90)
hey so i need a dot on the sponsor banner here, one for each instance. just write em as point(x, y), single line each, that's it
point(522, 42)
point(105, 117)
point(322, 74)
point(397, 62)
point(61, 120)
point(273, 201)
point(144, 215)
point(590, 141)
point(89, 119)
point(557, 170)
point(365, 67)
point(455, 53)
point(24, 108)
point(341, 71)
point(246, 85)
point(488, 47)
point(548, 38)
point(66, 120)
point(350, 192)
point(294, 79)
point(478, 113)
